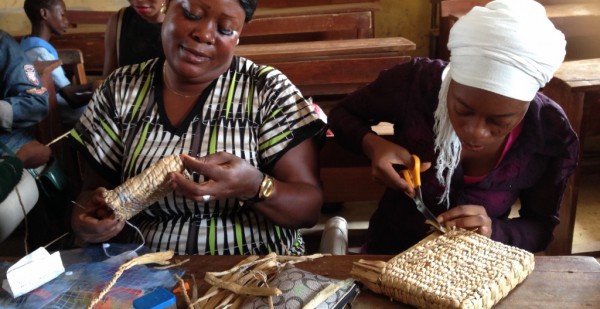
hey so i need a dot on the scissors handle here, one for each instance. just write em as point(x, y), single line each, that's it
point(417, 170)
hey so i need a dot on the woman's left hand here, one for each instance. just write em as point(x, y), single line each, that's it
point(228, 176)
point(469, 217)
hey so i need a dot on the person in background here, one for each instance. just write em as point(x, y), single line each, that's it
point(48, 18)
point(23, 105)
point(132, 35)
point(492, 138)
point(244, 131)
point(23, 98)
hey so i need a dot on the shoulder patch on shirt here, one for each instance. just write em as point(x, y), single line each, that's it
point(39, 91)
point(30, 73)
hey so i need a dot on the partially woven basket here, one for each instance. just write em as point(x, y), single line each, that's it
point(141, 191)
point(459, 269)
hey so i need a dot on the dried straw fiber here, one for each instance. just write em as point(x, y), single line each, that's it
point(460, 269)
point(141, 191)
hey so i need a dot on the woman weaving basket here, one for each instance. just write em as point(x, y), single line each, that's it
point(492, 137)
point(246, 134)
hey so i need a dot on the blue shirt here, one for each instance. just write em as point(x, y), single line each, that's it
point(23, 98)
point(534, 171)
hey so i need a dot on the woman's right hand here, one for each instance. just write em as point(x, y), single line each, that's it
point(92, 220)
point(34, 154)
point(384, 155)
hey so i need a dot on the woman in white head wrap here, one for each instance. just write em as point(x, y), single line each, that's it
point(494, 139)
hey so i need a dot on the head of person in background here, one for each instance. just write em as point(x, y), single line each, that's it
point(133, 34)
point(153, 11)
point(48, 18)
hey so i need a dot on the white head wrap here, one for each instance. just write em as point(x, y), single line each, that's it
point(508, 47)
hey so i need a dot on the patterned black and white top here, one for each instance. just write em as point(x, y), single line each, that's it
point(251, 111)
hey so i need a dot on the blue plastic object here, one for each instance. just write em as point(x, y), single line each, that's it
point(159, 299)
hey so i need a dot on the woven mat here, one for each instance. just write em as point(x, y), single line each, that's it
point(459, 269)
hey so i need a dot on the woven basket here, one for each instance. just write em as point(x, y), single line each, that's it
point(459, 269)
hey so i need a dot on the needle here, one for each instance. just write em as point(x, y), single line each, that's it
point(58, 138)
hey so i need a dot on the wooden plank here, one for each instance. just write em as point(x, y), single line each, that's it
point(336, 76)
point(292, 3)
point(72, 60)
point(50, 127)
point(355, 21)
point(296, 51)
point(81, 17)
point(317, 9)
point(91, 46)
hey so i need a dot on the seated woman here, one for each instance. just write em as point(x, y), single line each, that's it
point(244, 130)
point(493, 138)
point(133, 34)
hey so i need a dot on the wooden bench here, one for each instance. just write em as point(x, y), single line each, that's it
point(340, 49)
point(50, 127)
point(73, 65)
point(269, 25)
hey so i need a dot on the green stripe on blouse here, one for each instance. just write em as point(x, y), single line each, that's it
point(110, 132)
point(250, 96)
point(141, 95)
point(230, 94)
point(76, 136)
point(212, 237)
point(238, 236)
point(274, 141)
point(139, 147)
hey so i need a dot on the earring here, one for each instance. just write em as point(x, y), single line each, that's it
point(238, 42)
point(163, 8)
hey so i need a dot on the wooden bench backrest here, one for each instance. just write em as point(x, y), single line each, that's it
point(292, 3)
point(72, 63)
point(50, 127)
point(335, 49)
point(339, 20)
point(336, 76)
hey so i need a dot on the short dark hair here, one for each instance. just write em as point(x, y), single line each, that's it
point(249, 7)
point(33, 7)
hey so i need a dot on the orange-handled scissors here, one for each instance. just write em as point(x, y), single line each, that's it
point(413, 177)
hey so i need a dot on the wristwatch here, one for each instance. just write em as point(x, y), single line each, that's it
point(266, 188)
point(264, 191)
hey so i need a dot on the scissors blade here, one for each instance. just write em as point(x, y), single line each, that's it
point(428, 214)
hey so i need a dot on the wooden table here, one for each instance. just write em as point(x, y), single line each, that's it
point(576, 87)
point(556, 282)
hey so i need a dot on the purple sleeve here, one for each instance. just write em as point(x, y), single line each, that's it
point(539, 213)
point(384, 100)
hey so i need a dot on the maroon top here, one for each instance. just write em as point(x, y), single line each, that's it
point(534, 170)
